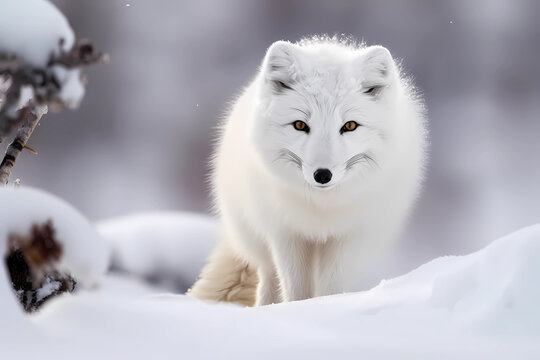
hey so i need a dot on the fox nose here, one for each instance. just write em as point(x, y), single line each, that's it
point(322, 176)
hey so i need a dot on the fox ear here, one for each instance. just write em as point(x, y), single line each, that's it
point(377, 69)
point(280, 66)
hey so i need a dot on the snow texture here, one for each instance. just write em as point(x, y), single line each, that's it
point(480, 306)
point(33, 29)
point(27, 94)
point(169, 247)
point(47, 289)
point(72, 89)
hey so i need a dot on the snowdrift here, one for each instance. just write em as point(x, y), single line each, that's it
point(168, 248)
point(480, 306)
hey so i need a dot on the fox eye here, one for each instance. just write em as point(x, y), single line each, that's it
point(301, 126)
point(349, 126)
point(373, 90)
point(369, 90)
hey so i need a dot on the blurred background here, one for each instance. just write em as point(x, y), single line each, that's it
point(142, 137)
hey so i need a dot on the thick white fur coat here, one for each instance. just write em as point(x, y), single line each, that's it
point(302, 237)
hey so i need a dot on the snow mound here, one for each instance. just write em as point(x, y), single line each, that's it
point(85, 253)
point(496, 288)
point(33, 29)
point(170, 247)
point(479, 306)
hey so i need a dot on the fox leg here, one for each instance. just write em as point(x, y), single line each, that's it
point(268, 288)
point(293, 258)
point(331, 268)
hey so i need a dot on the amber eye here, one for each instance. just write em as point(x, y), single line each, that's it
point(369, 90)
point(349, 126)
point(374, 90)
point(301, 126)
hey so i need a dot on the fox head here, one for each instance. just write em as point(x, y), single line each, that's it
point(325, 112)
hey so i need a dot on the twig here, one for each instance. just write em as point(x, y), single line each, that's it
point(10, 118)
point(19, 143)
point(81, 54)
point(9, 123)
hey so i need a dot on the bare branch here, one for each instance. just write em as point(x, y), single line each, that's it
point(10, 117)
point(82, 54)
point(19, 143)
point(9, 123)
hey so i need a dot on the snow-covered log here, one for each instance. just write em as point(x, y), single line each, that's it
point(45, 244)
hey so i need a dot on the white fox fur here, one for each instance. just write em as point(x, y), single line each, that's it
point(303, 237)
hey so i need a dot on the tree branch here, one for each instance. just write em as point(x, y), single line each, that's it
point(82, 54)
point(18, 144)
point(10, 117)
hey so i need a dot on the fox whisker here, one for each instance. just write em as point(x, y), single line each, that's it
point(360, 158)
point(288, 155)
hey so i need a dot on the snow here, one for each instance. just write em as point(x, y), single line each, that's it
point(47, 289)
point(495, 288)
point(85, 253)
point(27, 94)
point(32, 29)
point(72, 89)
point(479, 306)
point(169, 246)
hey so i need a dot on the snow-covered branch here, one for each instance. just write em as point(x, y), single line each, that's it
point(58, 84)
point(40, 68)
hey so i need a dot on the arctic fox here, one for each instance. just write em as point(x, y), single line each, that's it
point(316, 169)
